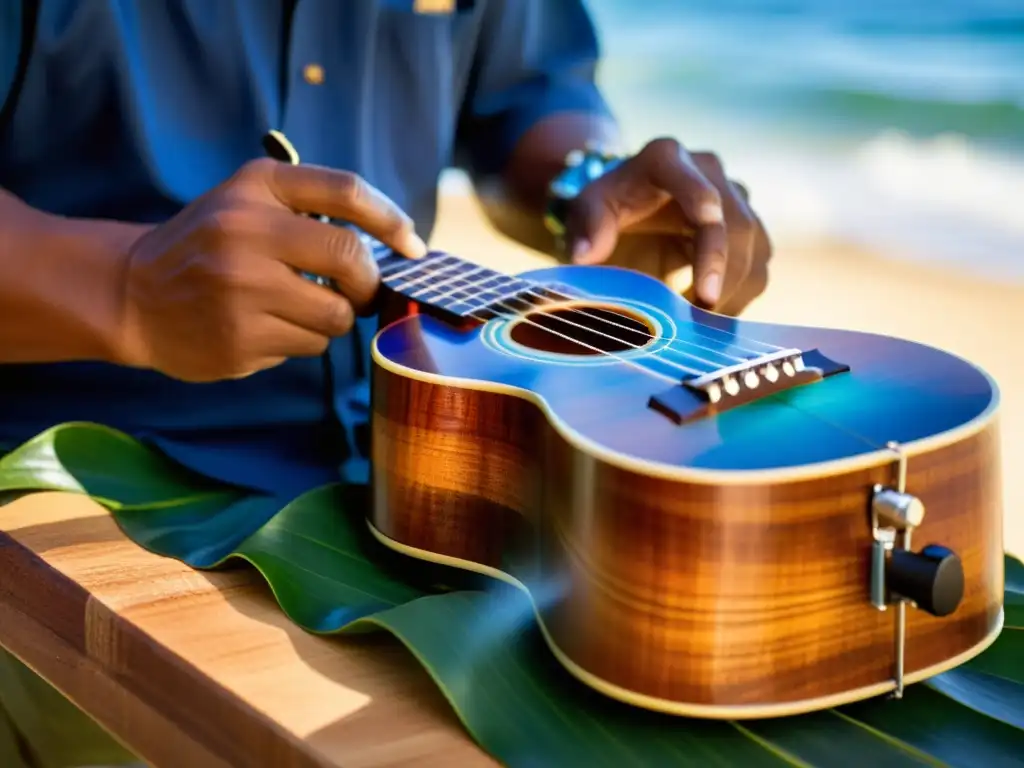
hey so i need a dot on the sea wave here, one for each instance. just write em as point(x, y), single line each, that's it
point(998, 120)
point(941, 199)
point(922, 67)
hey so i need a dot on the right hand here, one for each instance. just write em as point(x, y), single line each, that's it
point(213, 293)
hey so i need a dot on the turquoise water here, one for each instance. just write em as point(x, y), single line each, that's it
point(891, 123)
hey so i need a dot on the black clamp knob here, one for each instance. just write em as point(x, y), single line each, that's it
point(933, 578)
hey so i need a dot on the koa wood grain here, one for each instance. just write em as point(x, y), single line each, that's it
point(718, 568)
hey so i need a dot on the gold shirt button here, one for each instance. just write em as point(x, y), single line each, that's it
point(313, 74)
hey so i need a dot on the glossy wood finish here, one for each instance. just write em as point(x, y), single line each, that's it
point(738, 587)
point(203, 670)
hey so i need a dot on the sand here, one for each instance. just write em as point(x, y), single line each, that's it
point(833, 285)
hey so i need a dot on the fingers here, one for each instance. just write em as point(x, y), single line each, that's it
point(277, 338)
point(669, 167)
point(741, 227)
point(756, 280)
point(631, 198)
point(324, 249)
point(312, 307)
point(340, 195)
point(592, 228)
point(267, 342)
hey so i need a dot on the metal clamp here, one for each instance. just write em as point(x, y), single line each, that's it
point(894, 516)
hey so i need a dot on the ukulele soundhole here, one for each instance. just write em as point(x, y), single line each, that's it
point(582, 330)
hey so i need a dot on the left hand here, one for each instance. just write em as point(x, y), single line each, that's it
point(664, 209)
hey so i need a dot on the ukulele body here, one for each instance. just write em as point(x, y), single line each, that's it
point(718, 568)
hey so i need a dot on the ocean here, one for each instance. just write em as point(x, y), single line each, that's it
point(891, 124)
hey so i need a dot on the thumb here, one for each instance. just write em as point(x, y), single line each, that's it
point(591, 230)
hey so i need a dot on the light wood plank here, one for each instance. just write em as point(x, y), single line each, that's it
point(203, 669)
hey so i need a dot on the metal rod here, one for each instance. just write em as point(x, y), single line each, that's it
point(901, 605)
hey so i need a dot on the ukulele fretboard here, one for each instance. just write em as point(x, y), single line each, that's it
point(459, 287)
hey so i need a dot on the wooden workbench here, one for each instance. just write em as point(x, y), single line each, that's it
point(203, 669)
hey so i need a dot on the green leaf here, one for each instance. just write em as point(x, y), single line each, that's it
point(314, 561)
point(991, 695)
point(108, 465)
point(201, 531)
point(950, 732)
point(1004, 658)
point(1014, 593)
point(482, 646)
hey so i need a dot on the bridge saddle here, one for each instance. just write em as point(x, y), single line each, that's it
point(767, 373)
point(735, 385)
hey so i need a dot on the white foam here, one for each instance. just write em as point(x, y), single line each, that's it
point(939, 199)
point(947, 174)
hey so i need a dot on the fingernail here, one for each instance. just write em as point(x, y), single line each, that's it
point(710, 213)
point(580, 249)
point(414, 247)
point(711, 288)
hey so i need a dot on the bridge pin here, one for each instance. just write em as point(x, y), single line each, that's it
point(751, 380)
point(732, 386)
point(714, 393)
point(798, 363)
point(788, 369)
point(771, 373)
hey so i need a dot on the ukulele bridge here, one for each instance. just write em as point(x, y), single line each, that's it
point(745, 382)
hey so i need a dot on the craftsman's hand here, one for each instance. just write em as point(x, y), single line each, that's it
point(664, 209)
point(213, 293)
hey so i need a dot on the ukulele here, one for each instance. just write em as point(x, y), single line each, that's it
point(713, 517)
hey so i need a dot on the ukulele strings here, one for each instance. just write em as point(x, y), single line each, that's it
point(523, 318)
point(464, 290)
point(669, 342)
point(728, 334)
point(598, 350)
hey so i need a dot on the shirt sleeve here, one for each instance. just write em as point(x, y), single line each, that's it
point(535, 58)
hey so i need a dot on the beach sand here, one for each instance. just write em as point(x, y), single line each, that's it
point(838, 286)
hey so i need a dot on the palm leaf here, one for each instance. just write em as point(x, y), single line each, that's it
point(481, 645)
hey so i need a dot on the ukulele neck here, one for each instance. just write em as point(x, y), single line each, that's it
point(455, 287)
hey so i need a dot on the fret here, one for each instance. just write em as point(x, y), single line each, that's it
point(391, 262)
point(416, 269)
point(502, 295)
point(432, 277)
point(482, 293)
point(469, 288)
point(494, 301)
point(449, 287)
point(456, 286)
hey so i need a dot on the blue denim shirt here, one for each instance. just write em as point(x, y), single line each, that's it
point(129, 109)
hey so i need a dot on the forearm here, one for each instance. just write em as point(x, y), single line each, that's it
point(515, 201)
point(60, 285)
